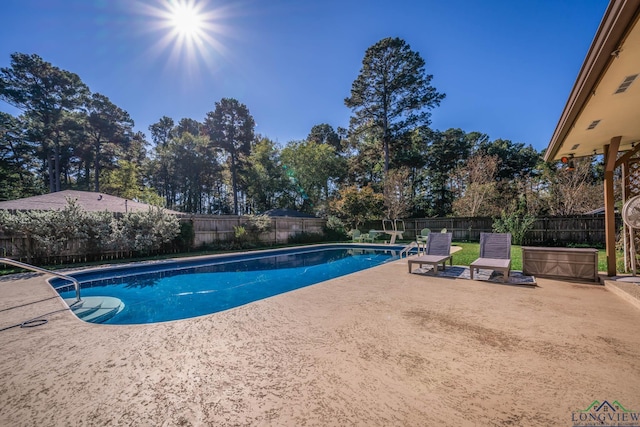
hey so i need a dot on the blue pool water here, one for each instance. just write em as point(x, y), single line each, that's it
point(182, 289)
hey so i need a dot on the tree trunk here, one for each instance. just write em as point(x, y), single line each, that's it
point(385, 136)
point(87, 174)
point(385, 144)
point(52, 187)
point(164, 173)
point(234, 184)
point(96, 167)
point(16, 156)
point(57, 166)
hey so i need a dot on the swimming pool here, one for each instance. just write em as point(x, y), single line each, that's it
point(180, 289)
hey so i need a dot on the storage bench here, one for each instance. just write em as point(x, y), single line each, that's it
point(561, 263)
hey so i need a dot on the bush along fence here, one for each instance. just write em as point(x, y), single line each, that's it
point(73, 235)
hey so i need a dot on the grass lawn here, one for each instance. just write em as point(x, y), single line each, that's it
point(471, 251)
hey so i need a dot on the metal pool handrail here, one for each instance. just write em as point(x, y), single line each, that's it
point(407, 248)
point(76, 284)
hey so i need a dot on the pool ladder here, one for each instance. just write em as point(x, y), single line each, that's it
point(407, 248)
point(76, 284)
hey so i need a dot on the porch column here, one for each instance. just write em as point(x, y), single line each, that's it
point(611, 153)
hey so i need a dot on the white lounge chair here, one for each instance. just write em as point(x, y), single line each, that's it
point(356, 235)
point(372, 235)
point(495, 254)
point(437, 251)
point(423, 236)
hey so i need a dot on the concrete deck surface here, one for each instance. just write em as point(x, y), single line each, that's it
point(380, 347)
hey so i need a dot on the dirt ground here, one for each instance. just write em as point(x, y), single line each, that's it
point(377, 348)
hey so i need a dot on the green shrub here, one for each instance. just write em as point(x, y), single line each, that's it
point(184, 240)
point(143, 232)
point(334, 229)
point(517, 225)
point(258, 224)
point(239, 232)
point(252, 228)
point(73, 231)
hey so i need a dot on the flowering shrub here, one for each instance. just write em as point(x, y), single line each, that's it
point(74, 231)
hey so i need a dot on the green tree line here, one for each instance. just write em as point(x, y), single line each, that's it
point(388, 163)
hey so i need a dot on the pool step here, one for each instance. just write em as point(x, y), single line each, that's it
point(95, 309)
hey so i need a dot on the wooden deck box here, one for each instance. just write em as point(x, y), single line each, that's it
point(561, 263)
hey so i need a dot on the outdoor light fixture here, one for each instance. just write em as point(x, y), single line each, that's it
point(569, 162)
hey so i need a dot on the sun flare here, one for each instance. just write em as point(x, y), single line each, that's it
point(188, 31)
point(186, 20)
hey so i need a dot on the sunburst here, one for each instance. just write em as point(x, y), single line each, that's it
point(186, 20)
point(188, 29)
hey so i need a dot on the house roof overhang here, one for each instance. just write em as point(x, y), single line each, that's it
point(597, 110)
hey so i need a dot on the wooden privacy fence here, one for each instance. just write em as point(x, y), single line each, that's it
point(546, 231)
point(560, 231)
point(212, 228)
point(208, 229)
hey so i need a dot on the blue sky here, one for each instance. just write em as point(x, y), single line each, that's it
point(506, 66)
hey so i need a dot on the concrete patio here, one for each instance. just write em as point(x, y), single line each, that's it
point(378, 347)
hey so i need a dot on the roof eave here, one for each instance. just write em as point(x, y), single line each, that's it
point(614, 26)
